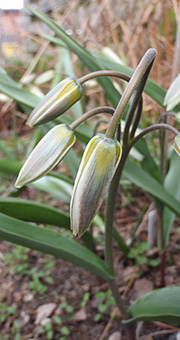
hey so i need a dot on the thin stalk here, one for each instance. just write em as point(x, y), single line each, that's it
point(152, 128)
point(144, 64)
point(162, 253)
point(110, 208)
point(109, 219)
point(91, 113)
point(165, 114)
point(103, 73)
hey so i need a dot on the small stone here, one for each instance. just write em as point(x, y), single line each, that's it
point(44, 312)
point(28, 297)
point(81, 315)
point(115, 336)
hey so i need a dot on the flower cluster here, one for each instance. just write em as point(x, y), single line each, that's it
point(98, 165)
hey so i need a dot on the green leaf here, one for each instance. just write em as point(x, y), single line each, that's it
point(13, 90)
point(172, 185)
point(158, 305)
point(47, 241)
point(31, 211)
point(142, 179)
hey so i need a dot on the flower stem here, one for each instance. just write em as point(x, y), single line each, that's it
point(103, 73)
point(91, 113)
point(152, 128)
point(144, 64)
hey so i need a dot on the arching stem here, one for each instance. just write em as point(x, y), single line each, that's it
point(103, 73)
point(144, 64)
point(91, 113)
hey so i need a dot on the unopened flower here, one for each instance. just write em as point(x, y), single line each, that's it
point(98, 165)
point(57, 101)
point(172, 97)
point(177, 144)
point(47, 154)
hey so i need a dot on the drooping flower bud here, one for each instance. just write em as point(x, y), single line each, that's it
point(98, 165)
point(177, 144)
point(172, 97)
point(57, 101)
point(47, 154)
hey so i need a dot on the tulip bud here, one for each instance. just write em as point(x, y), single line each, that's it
point(57, 101)
point(98, 165)
point(177, 144)
point(172, 97)
point(47, 154)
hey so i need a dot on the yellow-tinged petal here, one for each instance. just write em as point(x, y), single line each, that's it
point(47, 154)
point(57, 101)
point(98, 165)
point(177, 144)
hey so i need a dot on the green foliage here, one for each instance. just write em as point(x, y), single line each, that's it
point(161, 304)
point(106, 301)
point(6, 311)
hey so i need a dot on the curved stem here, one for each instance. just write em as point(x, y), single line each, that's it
point(165, 114)
point(91, 113)
point(103, 73)
point(152, 128)
point(98, 123)
point(144, 64)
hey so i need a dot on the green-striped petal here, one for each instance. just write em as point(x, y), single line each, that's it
point(47, 154)
point(98, 165)
point(57, 101)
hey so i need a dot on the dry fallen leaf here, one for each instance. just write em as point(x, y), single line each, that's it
point(44, 312)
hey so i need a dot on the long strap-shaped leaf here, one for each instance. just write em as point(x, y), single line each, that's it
point(31, 211)
point(47, 241)
point(142, 179)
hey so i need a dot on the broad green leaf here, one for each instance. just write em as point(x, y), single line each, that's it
point(31, 211)
point(47, 241)
point(159, 305)
point(146, 182)
point(172, 185)
point(85, 56)
point(10, 167)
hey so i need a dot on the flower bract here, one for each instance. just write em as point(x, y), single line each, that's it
point(57, 101)
point(98, 165)
point(47, 154)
